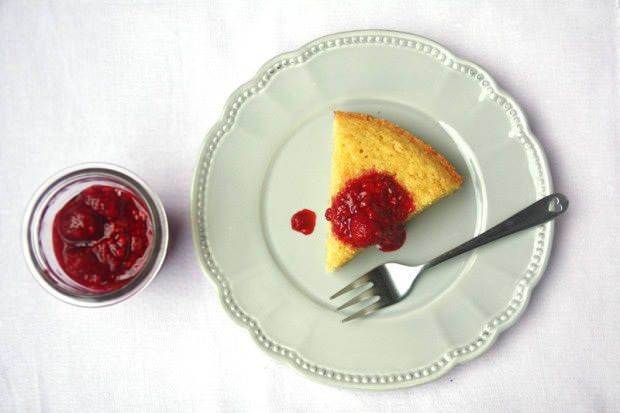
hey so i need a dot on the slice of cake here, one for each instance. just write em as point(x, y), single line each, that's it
point(382, 175)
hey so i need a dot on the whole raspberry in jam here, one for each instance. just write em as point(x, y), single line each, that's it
point(101, 237)
point(371, 210)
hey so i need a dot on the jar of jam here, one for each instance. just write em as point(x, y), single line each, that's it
point(95, 234)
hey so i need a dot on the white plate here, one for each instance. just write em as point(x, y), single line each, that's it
point(269, 156)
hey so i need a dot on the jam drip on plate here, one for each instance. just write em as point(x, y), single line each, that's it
point(304, 221)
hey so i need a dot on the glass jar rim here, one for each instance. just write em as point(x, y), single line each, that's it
point(61, 180)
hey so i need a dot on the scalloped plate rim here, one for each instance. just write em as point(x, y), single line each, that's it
point(252, 326)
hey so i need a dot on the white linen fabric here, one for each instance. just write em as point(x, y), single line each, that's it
point(138, 83)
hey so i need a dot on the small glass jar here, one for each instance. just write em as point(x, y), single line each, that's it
point(38, 229)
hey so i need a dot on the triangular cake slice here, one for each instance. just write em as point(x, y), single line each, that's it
point(366, 145)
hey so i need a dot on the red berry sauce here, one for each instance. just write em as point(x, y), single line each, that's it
point(102, 237)
point(369, 210)
point(304, 221)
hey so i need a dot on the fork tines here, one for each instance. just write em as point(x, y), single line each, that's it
point(369, 295)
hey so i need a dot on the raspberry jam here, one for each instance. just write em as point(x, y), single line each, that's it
point(304, 221)
point(102, 237)
point(371, 210)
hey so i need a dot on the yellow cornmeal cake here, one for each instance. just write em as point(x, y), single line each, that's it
point(362, 144)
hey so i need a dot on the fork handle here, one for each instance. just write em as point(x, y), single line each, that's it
point(538, 213)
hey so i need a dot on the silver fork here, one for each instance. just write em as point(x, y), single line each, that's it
point(390, 283)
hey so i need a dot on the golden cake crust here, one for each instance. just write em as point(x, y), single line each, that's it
point(407, 135)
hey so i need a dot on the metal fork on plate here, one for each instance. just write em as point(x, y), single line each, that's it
point(390, 283)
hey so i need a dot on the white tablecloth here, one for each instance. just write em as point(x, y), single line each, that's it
point(139, 83)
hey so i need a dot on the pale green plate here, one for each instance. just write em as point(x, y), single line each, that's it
point(269, 156)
